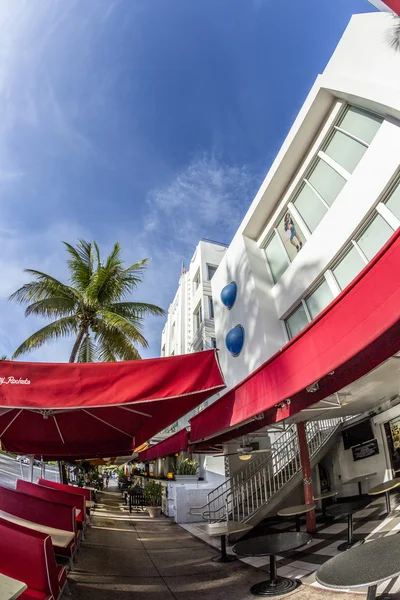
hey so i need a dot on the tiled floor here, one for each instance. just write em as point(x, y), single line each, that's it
point(370, 523)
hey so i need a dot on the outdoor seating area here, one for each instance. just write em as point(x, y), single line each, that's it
point(41, 530)
point(357, 522)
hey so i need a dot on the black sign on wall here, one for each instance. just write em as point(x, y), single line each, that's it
point(365, 450)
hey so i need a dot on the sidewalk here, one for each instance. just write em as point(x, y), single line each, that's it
point(134, 557)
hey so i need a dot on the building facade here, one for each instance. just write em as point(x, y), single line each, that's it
point(323, 222)
point(190, 323)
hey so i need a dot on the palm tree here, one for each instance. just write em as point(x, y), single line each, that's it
point(393, 35)
point(93, 308)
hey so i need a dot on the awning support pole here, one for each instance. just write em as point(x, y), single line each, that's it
point(30, 472)
point(307, 476)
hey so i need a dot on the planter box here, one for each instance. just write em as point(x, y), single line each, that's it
point(154, 511)
point(186, 478)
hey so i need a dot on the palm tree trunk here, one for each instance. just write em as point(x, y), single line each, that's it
point(78, 342)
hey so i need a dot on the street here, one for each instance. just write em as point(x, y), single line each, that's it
point(10, 471)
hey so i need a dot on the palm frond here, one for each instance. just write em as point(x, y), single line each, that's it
point(393, 34)
point(52, 307)
point(131, 327)
point(81, 263)
point(87, 352)
point(136, 309)
point(115, 344)
point(43, 286)
point(58, 329)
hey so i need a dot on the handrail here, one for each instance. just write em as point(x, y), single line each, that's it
point(256, 483)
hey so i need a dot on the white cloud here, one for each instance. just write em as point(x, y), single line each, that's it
point(206, 197)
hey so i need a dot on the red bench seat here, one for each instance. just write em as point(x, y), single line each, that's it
point(46, 493)
point(66, 488)
point(43, 512)
point(28, 556)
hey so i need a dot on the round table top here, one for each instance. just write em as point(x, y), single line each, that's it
point(300, 509)
point(325, 495)
point(384, 487)
point(268, 545)
point(359, 478)
point(368, 564)
point(347, 508)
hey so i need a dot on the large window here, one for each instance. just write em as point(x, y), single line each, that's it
point(198, 317)
point(342, 150)
point(210, 307)
point(296, 321)
point(210, 272)
point(361, 249)
point(319, 299)
point(393, 202)
point(374, 236)
point(350, 265)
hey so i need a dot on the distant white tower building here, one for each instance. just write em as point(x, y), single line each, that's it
point(190, 322)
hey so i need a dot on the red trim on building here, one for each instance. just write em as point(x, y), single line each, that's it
point(355, 333)
point(171, 445)
point(394, 5)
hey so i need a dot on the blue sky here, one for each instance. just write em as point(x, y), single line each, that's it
point(150, 122)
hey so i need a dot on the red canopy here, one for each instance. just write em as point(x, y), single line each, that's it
point(355, 333)
point(99, 409)
point(172, 444)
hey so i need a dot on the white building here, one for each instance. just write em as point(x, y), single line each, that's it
point(326, 210)
point(190, 322)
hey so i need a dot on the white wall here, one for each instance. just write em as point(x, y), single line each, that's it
point(365, 71)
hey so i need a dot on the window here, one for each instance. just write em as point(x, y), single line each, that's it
point(213, 342)
point(276, 257)
point(393, 203)
point(349, 266)
point(210, 307)
point(196, 281)
point(198, 317)
point(374, 236)
point(351, 137)
point(319, 299)
point(296, 321)
point(210, 272)
point(343, 149)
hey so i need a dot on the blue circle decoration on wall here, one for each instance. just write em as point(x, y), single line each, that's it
point(234, 340)
point(228, 294)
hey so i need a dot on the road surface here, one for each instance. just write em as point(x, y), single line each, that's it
point(10, 471)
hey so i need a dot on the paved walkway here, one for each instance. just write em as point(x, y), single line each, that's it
point(134, 557)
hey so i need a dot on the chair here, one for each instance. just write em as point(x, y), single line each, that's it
point(28, 556)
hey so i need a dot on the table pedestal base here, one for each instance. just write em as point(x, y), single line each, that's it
point(223, 557)
point(348, 545)
point(281, 585)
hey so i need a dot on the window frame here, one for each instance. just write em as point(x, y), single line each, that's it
point(210, 307)
point(208, 265)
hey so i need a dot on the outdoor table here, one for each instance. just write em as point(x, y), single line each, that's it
point(296, 511)
point(367, 565)
point(347, 509)
point(59, 537)
point(222, 530)
point(11, 588)
point(325, 496)
point(273, 545)
point(359, 479)
point(384, 488)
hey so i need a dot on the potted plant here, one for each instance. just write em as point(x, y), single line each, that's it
point(153, 494)
point(186, 470)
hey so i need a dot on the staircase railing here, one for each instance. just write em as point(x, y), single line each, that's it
point(258, 482)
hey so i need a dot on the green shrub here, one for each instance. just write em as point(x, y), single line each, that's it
point(153, 493)
point(187, 466)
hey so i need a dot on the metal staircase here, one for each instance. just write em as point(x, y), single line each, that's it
point(257, 489)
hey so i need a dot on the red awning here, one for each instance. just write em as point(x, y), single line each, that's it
point(355, 333)
point(172, 444)
point(394, 5)
point(99, 409)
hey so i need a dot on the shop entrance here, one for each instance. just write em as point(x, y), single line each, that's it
point(392, 432)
